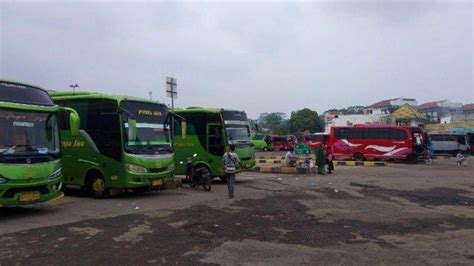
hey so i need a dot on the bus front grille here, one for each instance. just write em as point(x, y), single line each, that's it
point(11, 192)
point(157, 170)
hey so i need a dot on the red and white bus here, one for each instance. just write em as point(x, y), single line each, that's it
point(314, 140)
point(371, 142)
point(284, 142)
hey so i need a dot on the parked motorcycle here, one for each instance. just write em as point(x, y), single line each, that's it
point(197, 176)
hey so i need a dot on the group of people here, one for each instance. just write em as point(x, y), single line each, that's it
point(323, 158)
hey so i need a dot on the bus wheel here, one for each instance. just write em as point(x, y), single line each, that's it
point(359, 157)
point(411, 159)
point(97, 187)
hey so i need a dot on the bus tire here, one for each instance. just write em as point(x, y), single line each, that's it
point(411, 159)
point(358, 157)
point(97, 187)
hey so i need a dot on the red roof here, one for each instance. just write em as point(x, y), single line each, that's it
point(428, 105)
point(468, 107)
point(381, 104)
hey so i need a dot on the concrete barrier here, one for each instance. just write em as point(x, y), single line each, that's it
point(364, 163)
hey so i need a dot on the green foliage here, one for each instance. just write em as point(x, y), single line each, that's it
point(351, 110)
point(276, 122)
point(305, 119)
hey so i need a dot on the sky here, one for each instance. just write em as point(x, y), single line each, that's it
point(253, 56)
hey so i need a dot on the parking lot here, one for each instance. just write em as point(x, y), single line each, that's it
point(396, 214)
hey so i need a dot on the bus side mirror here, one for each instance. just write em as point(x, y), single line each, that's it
point(74, 121)
point(184, 130)
point(132, 129)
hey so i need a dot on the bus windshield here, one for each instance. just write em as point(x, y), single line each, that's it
point(237, 134)
point(153, 134)
point(28, 133)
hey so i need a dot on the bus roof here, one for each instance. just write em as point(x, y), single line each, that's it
point(21, 83)
point(203, 110)
point(65, 95)
point(48, 106)
point(446, 133)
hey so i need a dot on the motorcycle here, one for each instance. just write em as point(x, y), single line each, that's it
point(197, 176)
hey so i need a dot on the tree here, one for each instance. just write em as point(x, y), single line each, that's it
point(351, 110)
point(305, 119)
point(276, 122)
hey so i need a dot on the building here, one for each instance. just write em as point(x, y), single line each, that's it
point(387, 106)
point(434, 111)
point(407, 115)
point(335, 120)
point(457, 118)
point(468, 108)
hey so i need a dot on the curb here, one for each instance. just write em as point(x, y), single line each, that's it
point(365, 164)
point(441, 157)
point(282, 170)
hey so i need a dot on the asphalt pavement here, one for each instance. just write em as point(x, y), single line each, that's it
point(398, 214)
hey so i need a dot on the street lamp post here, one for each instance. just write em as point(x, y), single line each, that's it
point(74, 86)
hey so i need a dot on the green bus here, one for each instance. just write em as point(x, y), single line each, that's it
point(210, 132)
point(262, 142)
point(30, 157)
point(123, 143)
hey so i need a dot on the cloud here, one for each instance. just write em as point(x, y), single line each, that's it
point(258, 57)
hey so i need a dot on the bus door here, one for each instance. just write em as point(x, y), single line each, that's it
point(215, 140)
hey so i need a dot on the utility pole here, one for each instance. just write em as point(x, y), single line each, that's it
point(149, 94)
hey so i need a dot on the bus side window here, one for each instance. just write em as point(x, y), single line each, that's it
point(398, 134)
point(341, 133)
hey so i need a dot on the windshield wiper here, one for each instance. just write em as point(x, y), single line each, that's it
point(12, 148)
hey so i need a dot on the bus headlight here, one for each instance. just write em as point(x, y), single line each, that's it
point(56, 174)
point(136, 168)
point(3, 180)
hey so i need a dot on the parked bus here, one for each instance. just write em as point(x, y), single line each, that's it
point(210, 132)
point(314, 140)
point(284, 142)
point(449, 143)
point(470, 134)
point(262, 142)
point(123, 143)
point(30, 157)
point(374, 142)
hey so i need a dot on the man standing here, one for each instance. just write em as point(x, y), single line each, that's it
point(231, 159)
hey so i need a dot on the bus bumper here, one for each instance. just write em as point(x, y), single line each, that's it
point(13, 195)
point(153, 180)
